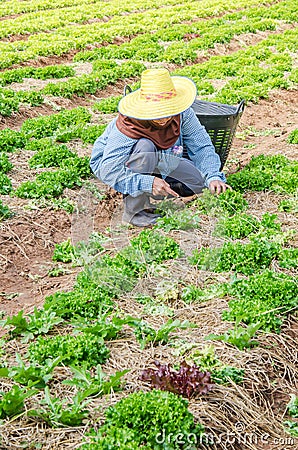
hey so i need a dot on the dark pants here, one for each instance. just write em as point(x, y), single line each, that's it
point(186, 179)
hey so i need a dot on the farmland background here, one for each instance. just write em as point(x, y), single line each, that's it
point(64, 251)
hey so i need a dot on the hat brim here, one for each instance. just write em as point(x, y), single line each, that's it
point(132, 105)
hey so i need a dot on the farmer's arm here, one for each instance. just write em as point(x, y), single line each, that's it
point(109, 156)
point(201, 151)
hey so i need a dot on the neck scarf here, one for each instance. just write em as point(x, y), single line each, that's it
point(163, 138)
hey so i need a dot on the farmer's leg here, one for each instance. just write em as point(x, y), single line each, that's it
point(143, 159)
point(186, 180)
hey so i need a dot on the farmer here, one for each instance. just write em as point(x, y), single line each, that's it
point(140, 154)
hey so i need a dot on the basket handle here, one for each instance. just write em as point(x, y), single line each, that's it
point(240, 108)
point(127, 90)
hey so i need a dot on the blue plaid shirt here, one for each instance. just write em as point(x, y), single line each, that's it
point(112, 150)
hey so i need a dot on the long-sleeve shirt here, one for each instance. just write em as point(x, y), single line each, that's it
point(112, 150)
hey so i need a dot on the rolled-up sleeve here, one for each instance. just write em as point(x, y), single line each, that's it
point(200, 148)
point(108, 162)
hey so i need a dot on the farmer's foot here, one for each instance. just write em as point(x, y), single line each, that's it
point(140, 219)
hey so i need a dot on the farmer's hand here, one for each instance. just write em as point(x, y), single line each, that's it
point(216, 187)
point(161, 187)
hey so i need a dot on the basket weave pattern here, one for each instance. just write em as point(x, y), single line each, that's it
point(220, 121)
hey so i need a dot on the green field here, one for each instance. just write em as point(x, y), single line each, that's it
point(181, 336)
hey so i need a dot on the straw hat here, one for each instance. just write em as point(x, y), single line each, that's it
point(160, 96)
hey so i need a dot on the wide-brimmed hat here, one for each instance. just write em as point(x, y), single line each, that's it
point(160, 95)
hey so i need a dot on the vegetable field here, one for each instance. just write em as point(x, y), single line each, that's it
point(179, 336)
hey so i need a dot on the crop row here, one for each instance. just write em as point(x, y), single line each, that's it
point(75, 329)
point(258, 80)
point(148, 46)
point(39, 135)
point(16, 7)
point(43, 21)
point(248, 74)
point(250, 79)
point(86, 322)
point(198, 35)
point(92, 298)
point(41, 73)
point(5, 183)
point(69, 37)
point(104, 74)
point(255, 81)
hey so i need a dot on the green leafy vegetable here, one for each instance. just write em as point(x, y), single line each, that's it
point(243, 258)
point(58, 413)
point(292, 406)
point(12, 402)
point(239, 336)
point(98, 384)
point(179, 220)
point(40, 322)
point(226, 374)
point(33, 375)
point(266, 298)
point(291, 427)
point(64, 252)
point(151, 419)
point(51, 156)
point(87, 301)
point(228, 202)
point(5, 184)
point(293, 137)
point(288, 258)
point(145, 334)
point(4, 211)
point(73, 350)
point(267, 172)
point(5, 164)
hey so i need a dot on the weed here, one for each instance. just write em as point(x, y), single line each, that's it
point(239, 336)
point(4, 211)
point(40, 322)
point(12, 402)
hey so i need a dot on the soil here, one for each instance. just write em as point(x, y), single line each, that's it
point(264, 128)
point(54, 104)
point(28, 239)
point(27, 243)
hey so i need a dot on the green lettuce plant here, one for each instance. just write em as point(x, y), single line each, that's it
point(150, 420)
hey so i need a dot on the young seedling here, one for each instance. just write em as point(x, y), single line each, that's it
point(239, 336)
